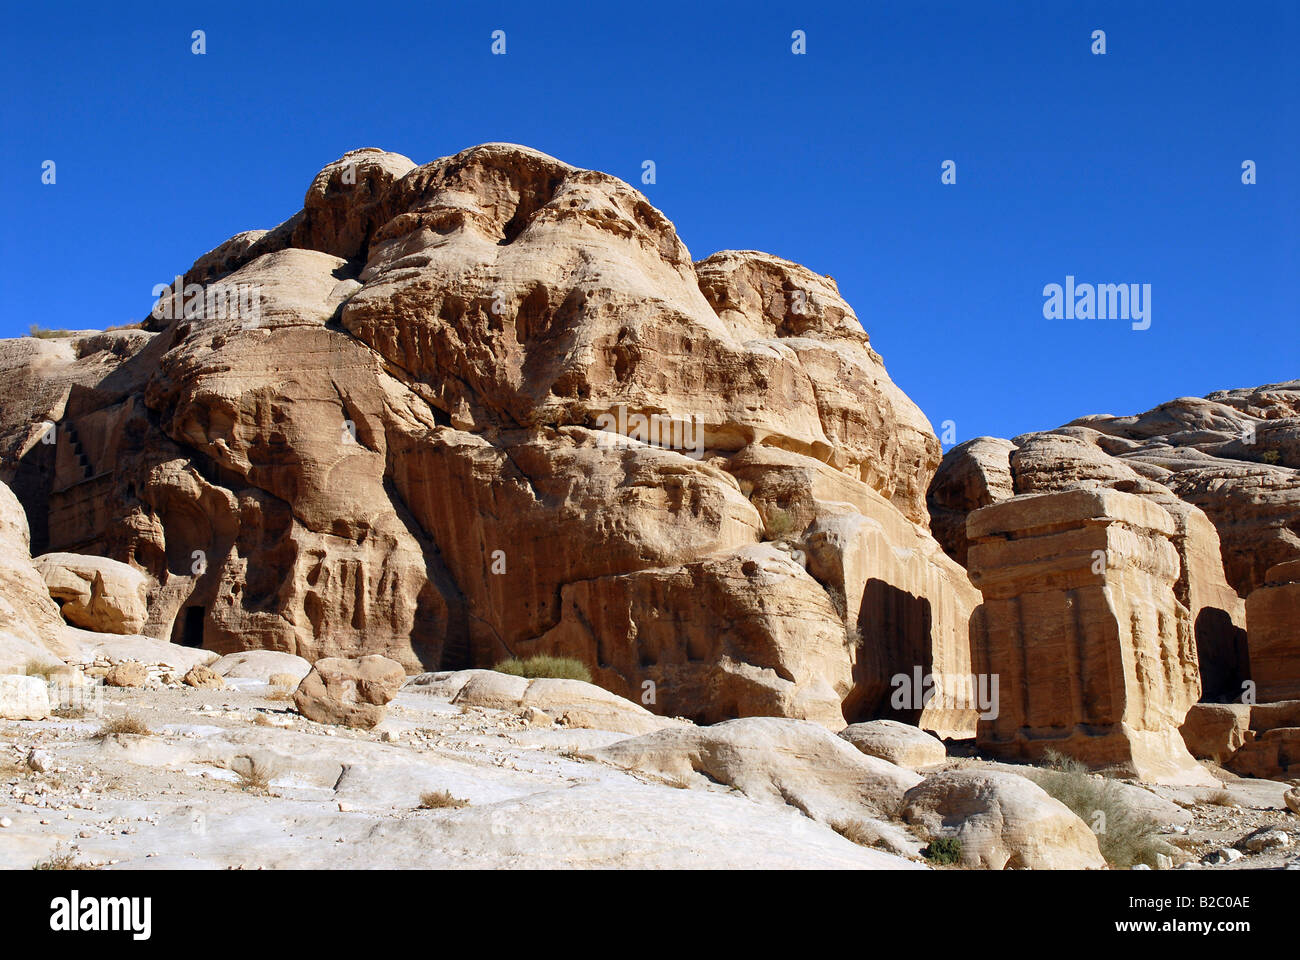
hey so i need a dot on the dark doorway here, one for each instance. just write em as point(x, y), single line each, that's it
point(1223, 654)
point(193, 634)
point(894, 639)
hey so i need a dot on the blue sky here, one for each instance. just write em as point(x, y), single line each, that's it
point(1117, 168)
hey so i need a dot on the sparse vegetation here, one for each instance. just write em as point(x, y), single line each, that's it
point(1270, 456)
point(70, 712)
point(943, 850)
point(1221, 798)
point(441, 800)
point(125, 724)
point(257, 775)
point(1124, 835)
point(45, 333)
point(855, 831)
point(559, 668)
point(777, 523)
point(38, 668)
point(61, 860)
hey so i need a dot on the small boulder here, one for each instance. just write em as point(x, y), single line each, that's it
point(349, 692)
point(204, 677)
point(899, 743)
point(128, 673)
point(23, 698)
point(1003, 821)
point(1215, 731)
point(1292, 799)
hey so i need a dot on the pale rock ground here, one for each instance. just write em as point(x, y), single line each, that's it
point(538, 796)
point(347, 799)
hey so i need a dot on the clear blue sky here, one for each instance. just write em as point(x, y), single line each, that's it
point(1117, 168)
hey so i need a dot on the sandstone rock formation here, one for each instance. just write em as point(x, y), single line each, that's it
point(985, 471)
point(30, 624)
point(1215, 731)
point(349, 692)
point(1003, 822)
point(899, 743)
point(1234, 455)
point(572, 702)
point(261, 665)
point(1094, 652)
point(96, 593)
point(489, 407)
point(771, 760)
point(1273, 617)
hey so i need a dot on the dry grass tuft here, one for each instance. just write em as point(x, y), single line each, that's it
point(125, 724)
point(441, 800)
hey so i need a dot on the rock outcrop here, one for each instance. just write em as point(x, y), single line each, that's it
point(1273, 617)
point(1003, 822)
point(1094, 652)
point(1235, 455)
point(352, 693)
point(984, 471)
point(96, 593)
point(30, 625)
point(490, 407)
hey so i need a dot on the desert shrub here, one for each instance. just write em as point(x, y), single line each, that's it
point(1270, 456)
point(1221, 798)
point(45, 333)
point(37, 668)
point(61, 860)
point(558, 668)
point(1125, 836)
point(778, 523)
point(125, 723)
point(441, 800)
point(70, 712)
point(257, 775)
point(943, 850)
point(855, 831)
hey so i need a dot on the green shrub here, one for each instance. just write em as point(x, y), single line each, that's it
point(943, 850)
point(1125, 836)
point(558, 668)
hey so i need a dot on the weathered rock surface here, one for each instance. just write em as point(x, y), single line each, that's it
point(261, 665)
point(349, 692)
point(488, 407)
point(899, 743)
point(128, 673)
point(1094, 652)
point(1215, 731)
point(1003, 821)
point(96, 593)
point(1235, 455)
point(1273, 617)
point(29, 619)
point(23, 698)
point(985, 470)
point(572, 702)
point(772, 760)
point(204, 678)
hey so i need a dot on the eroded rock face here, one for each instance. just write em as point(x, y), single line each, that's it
point(487, 407)
point(1094, 652)
point(352, 693)
point(1235, 455)
point(1003, 821)
point(96, 593)
point(1273, 614)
